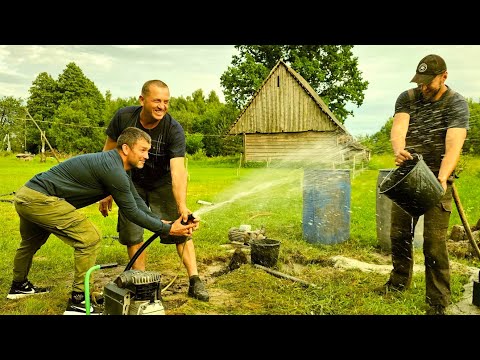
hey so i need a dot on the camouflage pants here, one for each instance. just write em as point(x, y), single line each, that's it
point(437, 271)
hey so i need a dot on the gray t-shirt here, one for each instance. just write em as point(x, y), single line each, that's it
point(168, 141)
point(429, 122)
point(85, 179)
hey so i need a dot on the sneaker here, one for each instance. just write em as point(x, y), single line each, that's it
point(74, 308)
point(436, 310)
point(388, 287)
point(19, 290)
point(197, 291)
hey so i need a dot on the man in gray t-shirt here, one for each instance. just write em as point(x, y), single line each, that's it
point(430, 120)
point(162, 182)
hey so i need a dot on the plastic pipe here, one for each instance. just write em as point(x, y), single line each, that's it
point(87, 283)
point(87, 288)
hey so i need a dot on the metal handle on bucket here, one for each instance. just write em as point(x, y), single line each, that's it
point(414, 188)
point(419, 157)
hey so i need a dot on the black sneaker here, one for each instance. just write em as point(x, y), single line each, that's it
point(74, 308)
point(197, 290)
point(388, 287)
point(21, 289)
point(436, 310)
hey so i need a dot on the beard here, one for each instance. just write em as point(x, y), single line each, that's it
point(430, 94)
point(136, 164)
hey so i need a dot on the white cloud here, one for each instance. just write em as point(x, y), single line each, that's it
point(389, 69)
point(123, 69)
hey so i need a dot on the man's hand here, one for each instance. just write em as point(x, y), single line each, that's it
point(187, 216)
point(401, 156)
point(105, 205)
point(192, 220)
point(443, 182)
point(178, 229)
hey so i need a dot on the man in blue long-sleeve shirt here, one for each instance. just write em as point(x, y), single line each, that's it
point(47, 204)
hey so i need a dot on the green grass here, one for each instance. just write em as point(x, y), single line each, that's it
point(261, 197)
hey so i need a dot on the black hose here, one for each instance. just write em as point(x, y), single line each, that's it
point(140, 250)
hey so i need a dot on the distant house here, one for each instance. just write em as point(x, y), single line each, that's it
point(287, 120)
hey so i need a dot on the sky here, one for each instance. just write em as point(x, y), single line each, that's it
point(122, 69)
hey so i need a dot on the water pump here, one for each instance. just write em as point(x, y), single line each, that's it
point(134, 292)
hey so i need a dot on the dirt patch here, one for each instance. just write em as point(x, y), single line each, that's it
point(175, 287)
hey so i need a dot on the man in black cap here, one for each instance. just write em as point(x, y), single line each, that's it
point(430, 120)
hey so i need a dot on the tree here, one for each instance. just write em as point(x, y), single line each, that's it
point(44, 97)
point(42, 104)
point(331, 70)
point(213, 124)
point(12, 123)
point(57, 105)
point(213, 98)
point(74, 129)
point(194, 142)
point(199, 101)
point(379, 143)
point(111, 106)
point(472, 143)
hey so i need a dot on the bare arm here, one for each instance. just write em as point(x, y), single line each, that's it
point(179, 185)
point(398, 136)
point(105, 205)
point(109, 144)
point(453, 147)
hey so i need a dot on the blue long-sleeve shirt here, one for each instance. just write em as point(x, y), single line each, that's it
point(85, 179)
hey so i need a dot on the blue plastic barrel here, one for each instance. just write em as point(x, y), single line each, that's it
point(326, 206)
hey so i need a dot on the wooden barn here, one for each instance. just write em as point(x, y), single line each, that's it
point(287, 120)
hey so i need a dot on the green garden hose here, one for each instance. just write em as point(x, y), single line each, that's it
point(87, 288)
point(87, 283)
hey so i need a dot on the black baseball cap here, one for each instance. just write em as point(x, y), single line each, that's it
point(429, 67)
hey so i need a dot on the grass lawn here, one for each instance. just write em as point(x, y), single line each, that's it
point(269, 198)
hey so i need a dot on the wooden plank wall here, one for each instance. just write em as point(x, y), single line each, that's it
point(282, 105)
point(323, 146)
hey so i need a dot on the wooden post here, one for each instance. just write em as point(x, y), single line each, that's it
point(244, 139)
point(42, 152)
point(43, 135)
point(463, 217)
point(239, 165)
point(25, 137)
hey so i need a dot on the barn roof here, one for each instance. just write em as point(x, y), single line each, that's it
point(304, 84)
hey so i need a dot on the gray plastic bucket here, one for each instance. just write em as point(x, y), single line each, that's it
point(412, 186)
point(264, 252)
point(383, 218)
